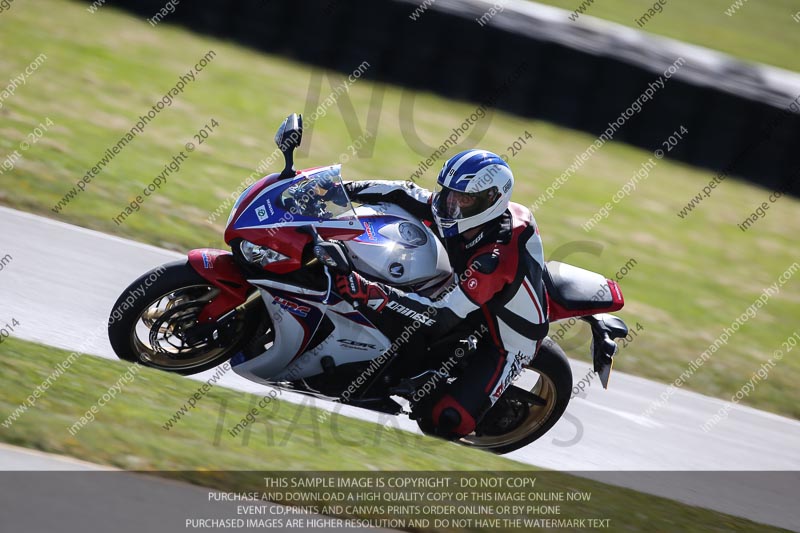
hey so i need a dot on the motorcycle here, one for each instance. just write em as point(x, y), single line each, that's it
point(268, 307)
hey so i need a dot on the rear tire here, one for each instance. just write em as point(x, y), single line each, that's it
point(146, 330)
point(554, 386)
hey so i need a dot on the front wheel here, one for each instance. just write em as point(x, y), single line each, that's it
point(529, 409)
point(154, 323)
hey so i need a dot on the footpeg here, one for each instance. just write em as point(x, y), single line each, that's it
point(328, 365)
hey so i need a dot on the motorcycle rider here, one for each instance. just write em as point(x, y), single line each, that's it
point(496, 253)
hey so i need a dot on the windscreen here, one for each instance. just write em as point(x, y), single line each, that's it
point(321, 195)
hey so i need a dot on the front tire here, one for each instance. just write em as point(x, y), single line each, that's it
point(150, 321)
point(553, 387)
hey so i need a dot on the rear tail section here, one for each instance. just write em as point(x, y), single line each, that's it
point(576, 292)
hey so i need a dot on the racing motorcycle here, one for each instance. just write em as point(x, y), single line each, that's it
point(268, 307)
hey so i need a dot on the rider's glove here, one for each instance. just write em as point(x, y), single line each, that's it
point(359, 291)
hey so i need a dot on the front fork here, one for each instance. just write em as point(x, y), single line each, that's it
point(220, 270)
point(234, 297)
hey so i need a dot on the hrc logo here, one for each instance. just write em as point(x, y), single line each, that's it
point(292, 307)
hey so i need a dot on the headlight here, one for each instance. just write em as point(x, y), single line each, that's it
point(260, 255)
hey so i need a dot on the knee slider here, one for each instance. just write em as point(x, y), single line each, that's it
point(449, 420)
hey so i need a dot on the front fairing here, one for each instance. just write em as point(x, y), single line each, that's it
point(316, 196)
point(272, 212)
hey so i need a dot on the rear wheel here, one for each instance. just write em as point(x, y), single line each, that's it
point(160, 329)
point(529, 409)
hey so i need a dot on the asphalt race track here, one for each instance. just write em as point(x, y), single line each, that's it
point(63, 281)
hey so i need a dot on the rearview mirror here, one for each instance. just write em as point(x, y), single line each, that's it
point(288, 138)
point(290, 133)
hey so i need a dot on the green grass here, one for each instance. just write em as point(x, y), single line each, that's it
point(693, 276)
point(127, 433)
point(759, 31)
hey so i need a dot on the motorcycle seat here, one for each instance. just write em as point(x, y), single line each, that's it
point(574, 288)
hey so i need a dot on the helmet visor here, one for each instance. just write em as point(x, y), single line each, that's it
point(457, 205)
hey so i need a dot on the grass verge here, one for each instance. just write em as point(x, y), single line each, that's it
point(127, 433)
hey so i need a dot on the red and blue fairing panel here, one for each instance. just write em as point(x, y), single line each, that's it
point(271, 211)
point(305, 322)
point(376, 228)
point(286, 305)
point(219, 269)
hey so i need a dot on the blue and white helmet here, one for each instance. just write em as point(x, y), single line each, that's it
point(473, 188)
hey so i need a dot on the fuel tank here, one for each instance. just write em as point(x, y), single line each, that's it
point(398, 249)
